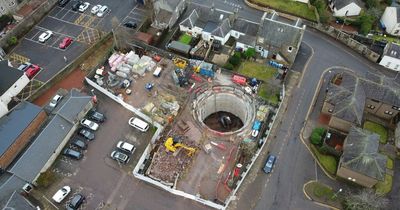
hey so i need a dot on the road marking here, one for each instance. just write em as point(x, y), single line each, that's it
point(64, 21)
point(50, 202)
point(54, 32)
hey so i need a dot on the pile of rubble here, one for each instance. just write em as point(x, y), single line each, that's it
point(161, 109)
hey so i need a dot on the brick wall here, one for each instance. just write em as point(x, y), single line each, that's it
point(21, 142)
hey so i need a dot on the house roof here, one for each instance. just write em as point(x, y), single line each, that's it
point(278, 33)
point(191, 20)
point(244, 26)
point(8, 76)
point(75, 102)
point(17, 201)
point(15, 122)
point(348, 99)
point(205, 17)
point(9, 183)
point(247, 39)
point(29, 165)
point(168, 5)
point(339, 4)
point(223, 28)
point(392, 50)
point(361, 154)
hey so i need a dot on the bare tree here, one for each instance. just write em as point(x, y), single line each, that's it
point(365, 199)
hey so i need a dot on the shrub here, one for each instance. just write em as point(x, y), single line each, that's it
point(228, 66)
point(365, 21)
point(12, 41)
point(316, 136)
point(4, 20)
point(234, 60)
point(249, 53)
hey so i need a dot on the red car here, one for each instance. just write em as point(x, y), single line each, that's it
point(65, 43)
point(32, 71)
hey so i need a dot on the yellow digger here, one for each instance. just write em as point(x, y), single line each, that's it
point(173, 144)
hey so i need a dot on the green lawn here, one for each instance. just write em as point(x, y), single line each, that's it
point(321, 191)
point(389, 163)
point(327, 161)
point(267, 95)
point(378, 129)
point(291, 7)
point(257, 70)
point(185, 38)
point(387, 38)
point(384, 187)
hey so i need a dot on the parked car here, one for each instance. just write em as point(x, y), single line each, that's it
point(32, 71)
point(102, 11)
point(72, 153)
point(62, 3)
point(76, 5)
point(138, 124)
point(125, 146)
point(86, 134)
point(76, 202)
point(256, 128)
point(79, 144)
point(120, 157)
point(96, 116)
point(130, 24)
point(45, 36)
point(269, 164)
point(89, 124)
point(83, 7)
point(61, 194)
point(57, 98)
point(95, 9)
point(67, 41)
point(24, 66)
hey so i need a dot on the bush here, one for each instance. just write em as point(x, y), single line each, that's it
point(316, 136)
point(371, 3)
point(249, 53)
point(365, 21)
point(12, 41)
point(235, 60)
point(320, 5)
point(4, 20)
point(228, 66)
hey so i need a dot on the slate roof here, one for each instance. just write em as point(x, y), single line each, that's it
point(17, 201)
point(278, 33)
point(361, 154)
point(8, 76)
point(8, 185)
point(74, 103)
point(348, 99)
point(247, 27)
point(247, 39)
point(223, 28)
point(392, 50)
point(36, 156)
point(15, 122)
point(191, 20)
point(339, 4)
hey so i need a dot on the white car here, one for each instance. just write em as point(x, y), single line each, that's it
point(89, 124)
point(61, 194)
point(102, 11)
point(83, 7)
point(57, 98)
point(95, 9)
point(45, 36)
point(125, 146)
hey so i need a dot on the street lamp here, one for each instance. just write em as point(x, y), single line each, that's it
point(335, 195)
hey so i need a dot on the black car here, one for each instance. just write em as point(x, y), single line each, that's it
point(76, 202)
point(76, 5)
point(86, 133)
point(130, 24)
point(79, 144)
point(62, 3)
point(96, 116)
point(72, 153)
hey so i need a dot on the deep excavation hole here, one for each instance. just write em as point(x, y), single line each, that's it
point(223, 121)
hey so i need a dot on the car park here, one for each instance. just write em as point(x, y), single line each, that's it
point(24, 66)
point(125, 146)
point(61, 194)
point(62, 3)
point(72, 153)
point(56, 99)
point(269, 164)
point(78, 143)
point(120, 157)
point(67, 41)
point(89, 124)
point(130, 24)
point(95, 9)
point(96, 116)
point(45, 36)
point(76, 5)
point(32, 71)
point(86, 134)
point(83, 7)
point(76, 202)
point(138, 124)
point(102, 11)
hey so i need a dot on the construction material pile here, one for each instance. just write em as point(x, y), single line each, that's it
point(262, 113)
point(165, 106)
point(125, 64)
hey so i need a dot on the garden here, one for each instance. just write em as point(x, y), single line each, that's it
point(378, 129)
point(328, 162)
point(292, 7)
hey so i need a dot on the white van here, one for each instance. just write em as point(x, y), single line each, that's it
point(157, 72)
point(138, 124)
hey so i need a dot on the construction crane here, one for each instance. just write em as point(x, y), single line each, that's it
point(173, 145)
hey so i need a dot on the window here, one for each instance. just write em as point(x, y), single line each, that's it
point(290, 49)
point(330, 110)
point(396, 108)
point(396, 31)
point(375, 100)
point(388, 64)
point(388, 112)
point(371, 106)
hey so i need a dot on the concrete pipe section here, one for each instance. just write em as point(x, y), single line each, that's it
point(224, 110)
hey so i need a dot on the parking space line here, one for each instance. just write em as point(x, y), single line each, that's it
point(79, 19)
point(66, 35)
point(50, 202)
point(65, 21)
point(43, 44)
